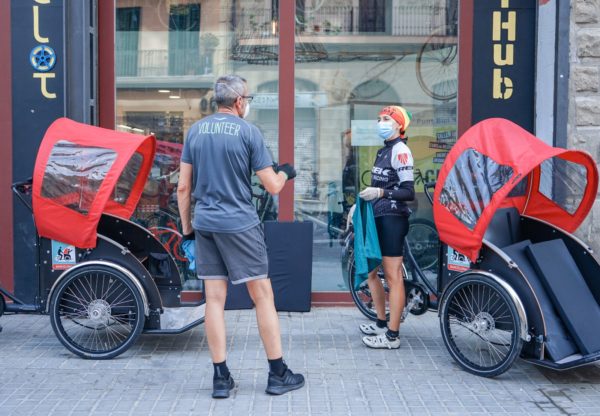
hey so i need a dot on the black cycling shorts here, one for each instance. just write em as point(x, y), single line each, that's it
point(391, 231)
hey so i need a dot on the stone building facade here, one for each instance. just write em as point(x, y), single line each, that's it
point(584, 96)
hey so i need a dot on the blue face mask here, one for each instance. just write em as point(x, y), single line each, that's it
point(386, 129)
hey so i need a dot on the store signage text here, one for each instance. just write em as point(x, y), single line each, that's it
point(503, 35)
point(42, 57)
point(302, 100)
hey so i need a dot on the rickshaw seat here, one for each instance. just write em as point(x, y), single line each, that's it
point(569, 291)
point(559, 343)
point(504, 228)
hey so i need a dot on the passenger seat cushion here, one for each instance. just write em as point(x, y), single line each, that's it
point(503, 229)
point(567, 288)
point(559, 343)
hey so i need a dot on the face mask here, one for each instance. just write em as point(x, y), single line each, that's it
point(386, 129)
point(246, 111)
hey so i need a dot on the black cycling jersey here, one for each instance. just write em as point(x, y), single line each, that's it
point(393, 172)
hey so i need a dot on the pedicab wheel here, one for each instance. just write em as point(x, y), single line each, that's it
point(480, 325)
point(97, 312)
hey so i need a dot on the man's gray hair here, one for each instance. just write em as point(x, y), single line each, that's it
point(228, 88)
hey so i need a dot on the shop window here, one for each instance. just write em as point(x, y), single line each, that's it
point(184, 39)
point(126, 40)
point(372, 16)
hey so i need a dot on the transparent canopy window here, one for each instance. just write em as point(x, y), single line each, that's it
point(471, 184)
point(563, 182)
point(74, 173)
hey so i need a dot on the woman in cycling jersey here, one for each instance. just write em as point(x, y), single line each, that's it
point(392, 185)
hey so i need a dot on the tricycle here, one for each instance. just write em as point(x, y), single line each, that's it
point(512, 279)
point(103, 278)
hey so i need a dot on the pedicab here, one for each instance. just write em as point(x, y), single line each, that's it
point(101, 277)
point(513, 280)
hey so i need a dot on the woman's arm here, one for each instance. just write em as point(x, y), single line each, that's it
point(405, 192)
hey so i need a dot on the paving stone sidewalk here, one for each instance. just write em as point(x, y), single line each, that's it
point(172, 375)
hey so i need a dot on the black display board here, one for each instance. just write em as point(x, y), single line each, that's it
point(504, 45)
point(289, 247)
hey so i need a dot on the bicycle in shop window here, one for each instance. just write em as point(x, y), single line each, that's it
point(509, 265)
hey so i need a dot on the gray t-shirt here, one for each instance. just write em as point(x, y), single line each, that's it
point(223, 150)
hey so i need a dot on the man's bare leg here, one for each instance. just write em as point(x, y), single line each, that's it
point(261, 293)
point(214, 321)
point(281, 378)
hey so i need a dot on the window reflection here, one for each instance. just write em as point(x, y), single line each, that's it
point(168, 55)
point(352, 59)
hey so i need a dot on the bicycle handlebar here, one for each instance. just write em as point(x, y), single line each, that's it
point(426, 187)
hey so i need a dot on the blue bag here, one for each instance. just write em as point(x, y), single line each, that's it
point(367, 254)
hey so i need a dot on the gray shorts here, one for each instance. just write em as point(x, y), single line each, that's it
point(239, 257)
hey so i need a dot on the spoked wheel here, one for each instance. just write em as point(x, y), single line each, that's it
point(97, 312)
point(424, 243)
point(437, 66)
point(362, 296)
point(480, 325)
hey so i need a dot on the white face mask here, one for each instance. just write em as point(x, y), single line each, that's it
point(246, 111)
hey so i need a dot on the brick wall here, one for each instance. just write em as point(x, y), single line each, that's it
point(584, 97)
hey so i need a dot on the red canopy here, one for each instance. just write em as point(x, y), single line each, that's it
point(495, 164)
point(82, 171)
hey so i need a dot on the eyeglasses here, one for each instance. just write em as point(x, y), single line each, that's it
point(248, 98)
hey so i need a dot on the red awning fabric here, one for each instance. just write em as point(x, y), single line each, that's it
point(82, 171)
point(493, 158)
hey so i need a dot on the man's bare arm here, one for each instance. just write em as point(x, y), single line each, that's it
point(184, 197)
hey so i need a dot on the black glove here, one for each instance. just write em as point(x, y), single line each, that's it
point(288, 170)
point(190, 236)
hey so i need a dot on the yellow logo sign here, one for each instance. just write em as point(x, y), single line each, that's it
point(42, 57)
point(504, 34)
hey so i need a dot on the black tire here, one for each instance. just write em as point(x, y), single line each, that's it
point(424, 243)
point(480, 325)
point(97, 312)
point(362, 296)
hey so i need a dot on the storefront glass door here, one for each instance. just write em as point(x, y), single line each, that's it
point(169, 53)
point(354, 57)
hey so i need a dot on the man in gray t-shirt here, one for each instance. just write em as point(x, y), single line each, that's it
point(219, 155)
point(224, 148)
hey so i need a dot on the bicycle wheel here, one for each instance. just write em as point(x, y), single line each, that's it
point(437, 66)
point(480, 325)
point(97, 312)
point(362, 296)
point(424, 243)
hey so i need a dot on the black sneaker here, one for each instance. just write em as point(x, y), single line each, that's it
point(287, 382)
point(222, 386)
